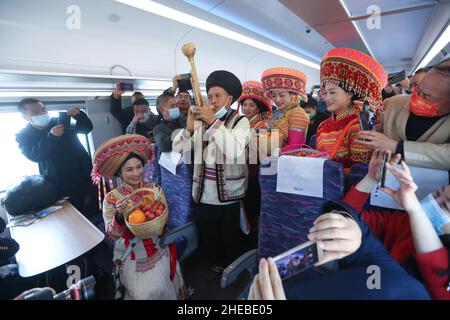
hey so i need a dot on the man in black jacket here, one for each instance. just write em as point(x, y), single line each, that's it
point(61, 157)
point(173, 119)
point(126, 115)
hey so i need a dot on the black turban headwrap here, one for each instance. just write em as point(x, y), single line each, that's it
point(226, 80)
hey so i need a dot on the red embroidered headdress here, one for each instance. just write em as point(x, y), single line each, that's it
point(111, 154)
point(355, 72)
point(286, 79)
point(254, 90)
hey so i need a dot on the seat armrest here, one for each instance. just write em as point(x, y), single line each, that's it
point(187, 231)
point(247, 261)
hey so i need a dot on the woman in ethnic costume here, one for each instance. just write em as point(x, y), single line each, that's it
point(255, 105)
point(258, 110)
point(149, 272)
point(348, 79)
point(286, 86)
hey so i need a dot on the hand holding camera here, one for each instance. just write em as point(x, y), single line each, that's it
point(57, 130)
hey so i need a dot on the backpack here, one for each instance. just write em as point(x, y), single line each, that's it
point(31, 194)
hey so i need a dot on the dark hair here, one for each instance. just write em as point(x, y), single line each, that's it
point(311, 103)
point(162, 100)
point(184, 91)
point(424, 69)
point(140, 102)
point(137, 93)
point(444, 69)
point(261, 106)
point(24, 102)
point(130, 156)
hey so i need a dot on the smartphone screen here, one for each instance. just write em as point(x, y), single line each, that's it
point(366, 120)
point(126, 86)
point(297, 259)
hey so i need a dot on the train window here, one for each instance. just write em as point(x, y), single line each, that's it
point(14, 165)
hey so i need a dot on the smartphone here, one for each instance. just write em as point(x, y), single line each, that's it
point(384, 171)
point(366, 120)
point(298, 259)
point(394, 78)
point(366, 117)
point(184, 84)
point(126, 86)
point(64, 119)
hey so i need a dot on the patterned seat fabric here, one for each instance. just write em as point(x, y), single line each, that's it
point(287, 218)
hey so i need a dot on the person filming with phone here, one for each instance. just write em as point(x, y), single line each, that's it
point(182, 83)
point(136, 113)
point(56, 148)
point(344, 239)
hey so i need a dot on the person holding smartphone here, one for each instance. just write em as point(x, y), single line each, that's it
point(346, 239)
point(417, 126)
point(183, 84)
point(61, 157)
point(125, 115)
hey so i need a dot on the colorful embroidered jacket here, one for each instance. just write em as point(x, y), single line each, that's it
point(292, 124)
point(348, 152)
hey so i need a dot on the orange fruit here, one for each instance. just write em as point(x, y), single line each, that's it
point(148, 199)
point(136, 217)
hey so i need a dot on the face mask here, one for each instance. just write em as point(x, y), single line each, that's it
point(422, 107)
point(41, 121)
point(145, 118)
point(437, 216)
point(222, 111)
point(174, 113)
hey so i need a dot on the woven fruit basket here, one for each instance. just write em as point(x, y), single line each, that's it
point(147, 212)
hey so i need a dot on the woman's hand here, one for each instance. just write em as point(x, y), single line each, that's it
point(337, 235)
point(377, 161)
point(267, 283)
point(405, 195)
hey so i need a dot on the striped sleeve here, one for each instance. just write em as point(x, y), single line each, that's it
point(298, 120)
point(358, 152)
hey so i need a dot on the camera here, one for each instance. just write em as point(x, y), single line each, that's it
point(308, 30)
point(184, 84)
point(82, 290)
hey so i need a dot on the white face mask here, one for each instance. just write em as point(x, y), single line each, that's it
point(438, 217)
point(41, 121)
point(222, 111)
point(145, 118)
